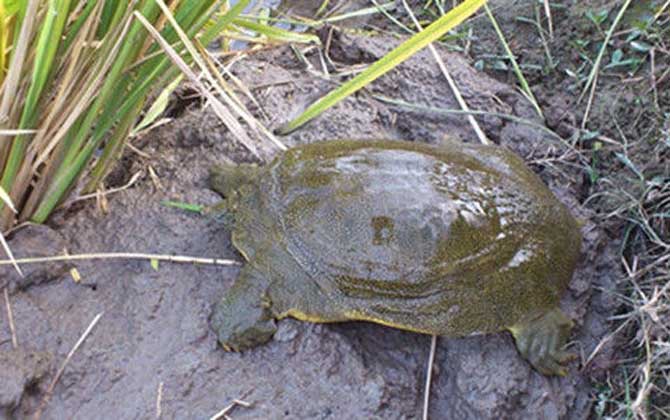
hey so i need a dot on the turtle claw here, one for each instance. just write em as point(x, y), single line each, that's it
point(541, 339)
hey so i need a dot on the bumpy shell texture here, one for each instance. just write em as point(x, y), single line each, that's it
point(451, 240)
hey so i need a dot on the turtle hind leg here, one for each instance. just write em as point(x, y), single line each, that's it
point(243, 318)
point(541, 340)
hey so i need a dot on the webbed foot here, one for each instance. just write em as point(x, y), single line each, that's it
point(243, 319)
point(541, 340)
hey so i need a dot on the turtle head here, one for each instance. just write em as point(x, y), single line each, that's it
point(229, 179)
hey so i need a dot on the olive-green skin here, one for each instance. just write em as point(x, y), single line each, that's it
point(451, 240)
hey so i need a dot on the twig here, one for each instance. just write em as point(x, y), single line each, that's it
point(652, 76)
point(424, 108)
point(138, 151)
point(10, 255)
point(12, 133)
point(233, 103)
point(547, 11)
point(10, 317)
point(662, 78)
point(454, 89)
point(60, 371)
point(230, 406)
point(20, 50)
point(602, 343)
point(661, 10)
point(217, 72)
point(138, 134)
point(639, 406)
point(545, 44)
point(429, 376)
point(589, 102)
point(159, 398)
point(515, 66)
point(390, 17)
point(129, 184)
point(123, 255)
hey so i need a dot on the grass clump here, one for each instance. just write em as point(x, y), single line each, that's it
point(74, 76)
point(632, 195)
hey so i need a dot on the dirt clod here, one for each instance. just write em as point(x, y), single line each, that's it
point(19, 370)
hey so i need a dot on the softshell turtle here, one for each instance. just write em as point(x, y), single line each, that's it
point(452, 240)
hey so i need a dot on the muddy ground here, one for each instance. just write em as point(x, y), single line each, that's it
point(154, 332)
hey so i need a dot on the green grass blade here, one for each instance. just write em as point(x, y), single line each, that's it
point(20, 48)
point(110, 10)
point(11, 6)
point(68, 173)
point(123, 109)
point(195, 208)
point(78, 144)
point(148, 74)
point(360, 12)
point(189, 14)
point(277, 34)
point(20, 9)
point(106, 82)
point(128, 52)
point(113, 148)
point(45, 51)
point(158, 107)
point(47, 45)
point(224, 21)
point(392, 18)
point(4, 31)
point(388, 62)
point(73, 30)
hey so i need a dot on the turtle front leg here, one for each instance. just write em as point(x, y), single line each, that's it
point(222, 212)
point(243, 319)
point(541, 340)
